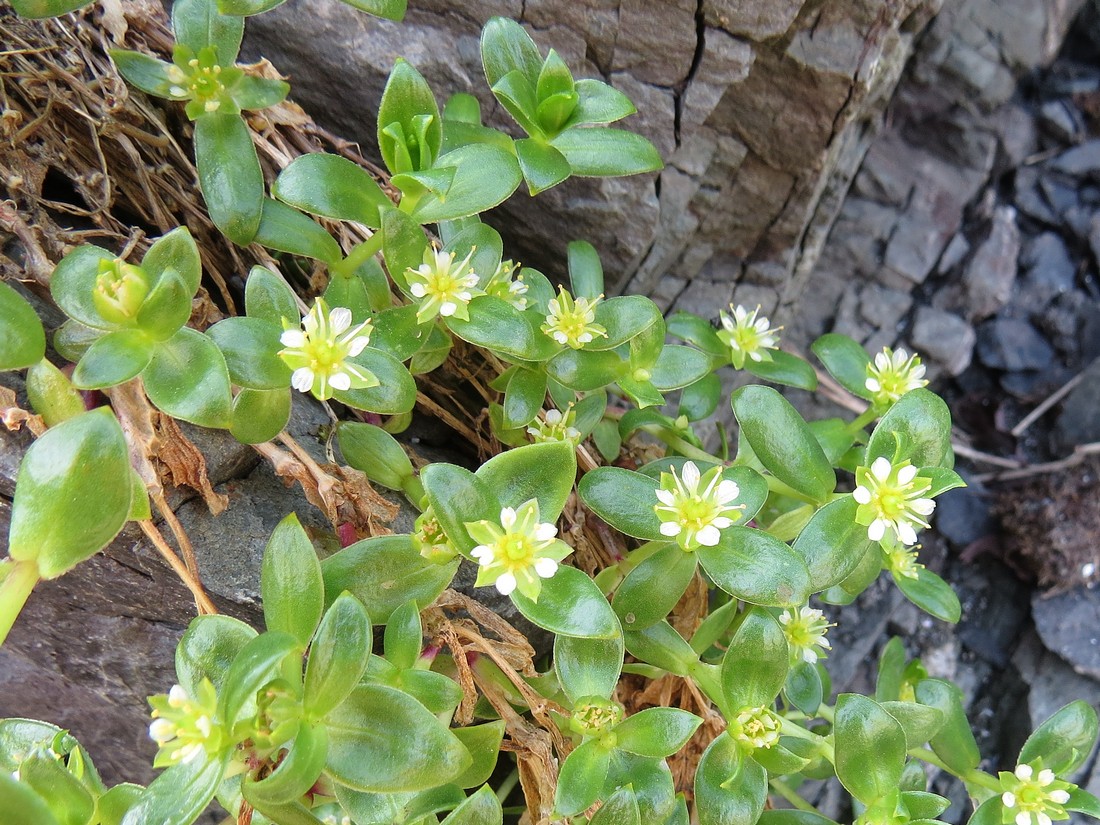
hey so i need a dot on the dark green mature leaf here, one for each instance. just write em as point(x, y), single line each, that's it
point(542, 165)
point(756, 568)
point(207, 649)
point(483, 743)
point(1085, 802)
point(458, 496)
point(621, 808)
point(652, 589)
point(781, 440)
point(661, 646)
point(624, 317)
point(375, 452)
point(332, 187)
point(187, 378)
point(38, 9)
point(68, 798)
point(678, 367)
point(198, 24)
point(24, 340)
point(167, 307)
point(338, 656)
point(598, 103)
point(607, 152)
point(581, 777)
point(389, 9)
point(570, 604)
point(544, 472)
point(755, 666)
point(954, 743)
point(698, 401)
point(245, 8)
point(288, 230)
point(257, 663)
point(72, 493)
point(624, 499)
point(506, 47)
point(144, 71)
point(585, 270)
point(585, 370)
point(113, 359)
point(803, 688)
point(268, 298)
point(588, 667)
point(229, 175)
point(180, 794)
point(832, 544)
point(846, 361)
point(788, 816)
point(784, 368)
point(870, 748)
point(524, 398)
point(383, 740)
point(919, 722)
point(396, 390)
point(497, 325)
point(290, 582)
point(1065, 740)
point(988, 813)
point(729, 789)
point(297, 772)
point(920, 425)
point(384, 572)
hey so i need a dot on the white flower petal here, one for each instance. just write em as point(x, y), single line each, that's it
point(1023, 818)
point(546, 567)
point(177, 696)
point(508, 518)
point(1024, 772)
point(690, 475)
point(721, 522)
point(293, 338)
point(418, 290)
point(302, 379)
point(1059, 797)
point(506, 583)
point(545, 531)
point(727, 491)
point(906, 533)
point(907, 474)
point(340, 381)
point(708, 536)
point(666, 497)
point(862, 495)
point(881, 468)
point(448, 308)
point(924, 506)
point(357, 345)
point(1045, 777)
point(1044, 819)
point(876, 530)
point(339, 319)
point(670, 528)
point(873, 385)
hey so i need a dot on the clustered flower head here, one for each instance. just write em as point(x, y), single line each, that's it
point(756, 728)
point(445, 288)
point(901, 560)
point(184, 727)
point(893, 374)
point(594, 715)
point(572, 321)
point(893, 497)
point(748, 335)
point(555, 426)
point(319, 352)
point(511, 289)
point(805, 630)
point(1032, 795)
point(695, 508)
point(519, 553)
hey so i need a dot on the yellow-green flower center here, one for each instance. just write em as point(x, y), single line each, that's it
point(120, 290)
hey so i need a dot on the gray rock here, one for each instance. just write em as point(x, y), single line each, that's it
point(963, 515)
point(1029, 198)
point(1013, 344)
point(957, 249)
point(1049, 272)
point(1069, 625)
point(1080, 161)
point(1061, 120)
point(944, 337)
point(991, 272)
point(1079, 421)
point(1094, 237)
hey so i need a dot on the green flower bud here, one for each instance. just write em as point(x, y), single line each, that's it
point(120, 290)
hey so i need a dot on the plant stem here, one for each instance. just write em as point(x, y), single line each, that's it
point(865, 418)
point(685, 448)
point(788, 793)
point(358, 256)
point(506, 786)
point(973, 776)
point(15, 587)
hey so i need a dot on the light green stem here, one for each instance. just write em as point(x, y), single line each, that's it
point(974, 776)
point(15, 587)
point(359, 255)
point(788, 793)
point(685, 448)
point(865, 418)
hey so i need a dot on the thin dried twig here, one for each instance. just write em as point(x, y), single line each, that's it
point(202, 601)
point(1049, 402)
point(1079, 454)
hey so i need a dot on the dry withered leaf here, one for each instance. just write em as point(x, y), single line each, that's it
point(15, 417)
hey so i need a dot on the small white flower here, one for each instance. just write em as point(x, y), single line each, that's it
point(319, 352)
point(555, 426)
point(748, 335)
point(893, 374)
point(892, 497)
point(805, 630)
point(572, 321)
point(1034, 797)
point(443, 287)
point(183, 727)
point(695, 508)
point(519, 553)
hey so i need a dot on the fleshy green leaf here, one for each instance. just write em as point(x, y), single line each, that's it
point(729, 789)
point(381, 739)
point(187, 378)
point(268, 298)
point(588, 667)
point(656, 732)
point(803, 688)
point(207, 649)
point(51, 394)
point(396, 390)
point(408, 102)
point(483, 743)
point(918, 428)
point(297, 772)
point(38, 9)
point(542, 165)
point(931, 594)
point(113, 359)
point(585, 270)
point(229, 175)
point(570, 604)
point(660, 645)
point(506, 47)
point(388, 9)
point(72, 493)
point(678, 367)
point(846, 361)
point(598, 103)
point(1065, 740)
point(781, 440)
point(870, 748)
point(624, 499)
point(332, 187)
point(954, 743)
point(524, 398)
point(259, 415)
point(919, 722)
point(606, 152)
point(654, 587)
point(74, 280)
point(24, 340)
point(250, 347)
point(144, 71)
point(383, 573)
point(755, 666)
point(290, 582)
point(458, 496)
point(288, 230)
point(338, 655)
point(581, 778)
point(482, 808)
point(484, 177)
point(257, 663)
point(198, 24)
point(784, 368)
point(832, 544)
point(621, 808)
point(180, 794)
point(544, 472)
point(375, 452)
point(756, 568)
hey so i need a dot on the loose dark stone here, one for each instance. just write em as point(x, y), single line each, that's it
point(1013, 344)
point(1079, 422)
point(1080, 161)
point(1069, 625)
point(962, 515)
